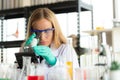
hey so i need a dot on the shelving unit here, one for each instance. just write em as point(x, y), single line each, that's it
point(59, 7)
point(112, 37)
point(99, 33)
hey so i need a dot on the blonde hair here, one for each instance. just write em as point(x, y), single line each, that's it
point(40, 13)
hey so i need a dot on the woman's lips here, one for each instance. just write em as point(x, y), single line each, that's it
point(43, 43)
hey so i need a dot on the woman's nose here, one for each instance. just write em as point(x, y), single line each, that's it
point(42, 36)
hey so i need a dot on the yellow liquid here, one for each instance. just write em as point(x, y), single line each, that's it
point(70, 69)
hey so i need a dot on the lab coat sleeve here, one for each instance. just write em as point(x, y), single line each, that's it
point(67, 53)
point(75, 59)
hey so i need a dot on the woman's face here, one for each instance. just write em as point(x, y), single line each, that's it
point(44, 31)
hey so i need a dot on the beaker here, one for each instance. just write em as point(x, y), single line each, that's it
point(26, 67)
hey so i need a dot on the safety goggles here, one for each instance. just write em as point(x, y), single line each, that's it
point(47, 32)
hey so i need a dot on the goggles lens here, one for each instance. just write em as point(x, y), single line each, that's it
point(46, 31)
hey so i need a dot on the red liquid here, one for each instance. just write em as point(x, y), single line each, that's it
point(35, 78)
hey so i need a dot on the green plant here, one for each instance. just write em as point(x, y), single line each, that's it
point(115, 66)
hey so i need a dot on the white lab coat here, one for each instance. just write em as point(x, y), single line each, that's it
point(63, 54)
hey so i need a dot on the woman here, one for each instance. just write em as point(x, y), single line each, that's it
point(52, 45)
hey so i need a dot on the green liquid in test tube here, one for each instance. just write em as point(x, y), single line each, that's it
point(4, 79)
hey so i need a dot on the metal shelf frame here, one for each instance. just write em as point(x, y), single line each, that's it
point(60, 7)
